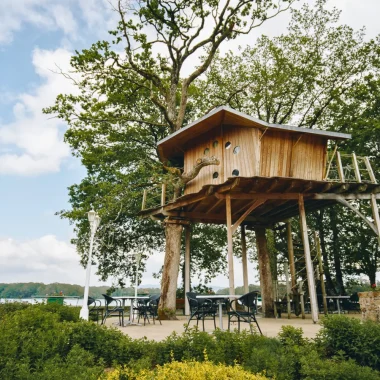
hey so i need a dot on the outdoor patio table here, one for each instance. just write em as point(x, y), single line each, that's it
point(219, 298)
point(132, 299)
point(337, 300)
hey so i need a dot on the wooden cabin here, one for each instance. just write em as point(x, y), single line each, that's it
point(247, 147)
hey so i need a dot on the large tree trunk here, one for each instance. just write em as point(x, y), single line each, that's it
point(167, 306)
point(265, 272)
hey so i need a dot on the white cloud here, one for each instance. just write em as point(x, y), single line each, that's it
point(40, 13)
point(45, 259)
point(34, 141)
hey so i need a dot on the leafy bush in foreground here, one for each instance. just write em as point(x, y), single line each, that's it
point(48, 342)
point(351, 338)
point(191, 370)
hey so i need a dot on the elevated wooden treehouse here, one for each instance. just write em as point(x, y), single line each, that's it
point(267, 173)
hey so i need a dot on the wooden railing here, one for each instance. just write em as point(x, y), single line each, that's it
point(156, 196)
point(349, 168)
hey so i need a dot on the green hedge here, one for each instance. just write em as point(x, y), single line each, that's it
point(352, 339)
point(49, 342)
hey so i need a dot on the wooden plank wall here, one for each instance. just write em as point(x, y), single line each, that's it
point(295, 155)
point(195, 150)
point(277, 154)
point(247, 160)
point(309, 157)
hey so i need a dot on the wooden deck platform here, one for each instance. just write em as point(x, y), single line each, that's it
point(260, 200)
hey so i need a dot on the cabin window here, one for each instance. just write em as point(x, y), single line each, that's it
point(228, 145)
point(206, 151)
point(236, 149)
point(215, 175)
point(215, 144)
point(235, 172)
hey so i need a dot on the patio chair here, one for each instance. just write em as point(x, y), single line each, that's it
point(95, 309)
point(200, 309)
point(116, 309)
point(243, 309)
point(153, 307)
point(142, 310)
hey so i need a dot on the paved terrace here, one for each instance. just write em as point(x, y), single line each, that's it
point(269, 326)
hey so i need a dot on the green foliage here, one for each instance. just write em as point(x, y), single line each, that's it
point(290, 335)
point(315, 368)
point(45, 342)
point(351, 338)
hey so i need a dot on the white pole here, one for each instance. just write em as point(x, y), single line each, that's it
point(138, 258)
point(94, 223)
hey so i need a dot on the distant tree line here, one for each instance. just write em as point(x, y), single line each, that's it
point(32, 289)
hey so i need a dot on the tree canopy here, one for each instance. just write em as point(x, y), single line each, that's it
point(136, 89)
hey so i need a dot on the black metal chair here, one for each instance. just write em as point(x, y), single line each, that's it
point(95, 308)
point(142, 309)
point(116, 309)
point(200, 309)
point(243, 309)
point(152, 309)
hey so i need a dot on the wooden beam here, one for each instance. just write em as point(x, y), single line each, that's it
point(329, 165)
point(215, 205)
point(230, 247)
point(375, 213)
point(369, 169)
point(321, 275)
point(288, 290)
point(340, 167)
point(357, 212)
point(196, 215)
point(251, 208)
point(291, 255)
point(356, 168)
point(163, 194)
point(244, 259)
point(185, 202)
point(246, 205)
point(187, 267)
point(308, 260)
point(144, 200)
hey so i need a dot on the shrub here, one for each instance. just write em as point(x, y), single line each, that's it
point(349, 337)
point(11, 307)
point(315, 368)
point(65, 313)
point(191, 370)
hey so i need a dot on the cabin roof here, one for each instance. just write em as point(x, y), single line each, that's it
point(173, 145)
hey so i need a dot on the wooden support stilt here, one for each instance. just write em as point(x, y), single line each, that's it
point(321, 275)
point(302, 301)
point(244, 259)
point(288, 289)
point(143, 204)
point(375, 214)
point(356, 168)
point(308, 261)
point(230, 246)
point(369, 169)
point(275, 297)
point(163, 194)
point(187, 267)
point(291, 255)
point(340, 167)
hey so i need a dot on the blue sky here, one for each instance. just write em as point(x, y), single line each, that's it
point(35, 164)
